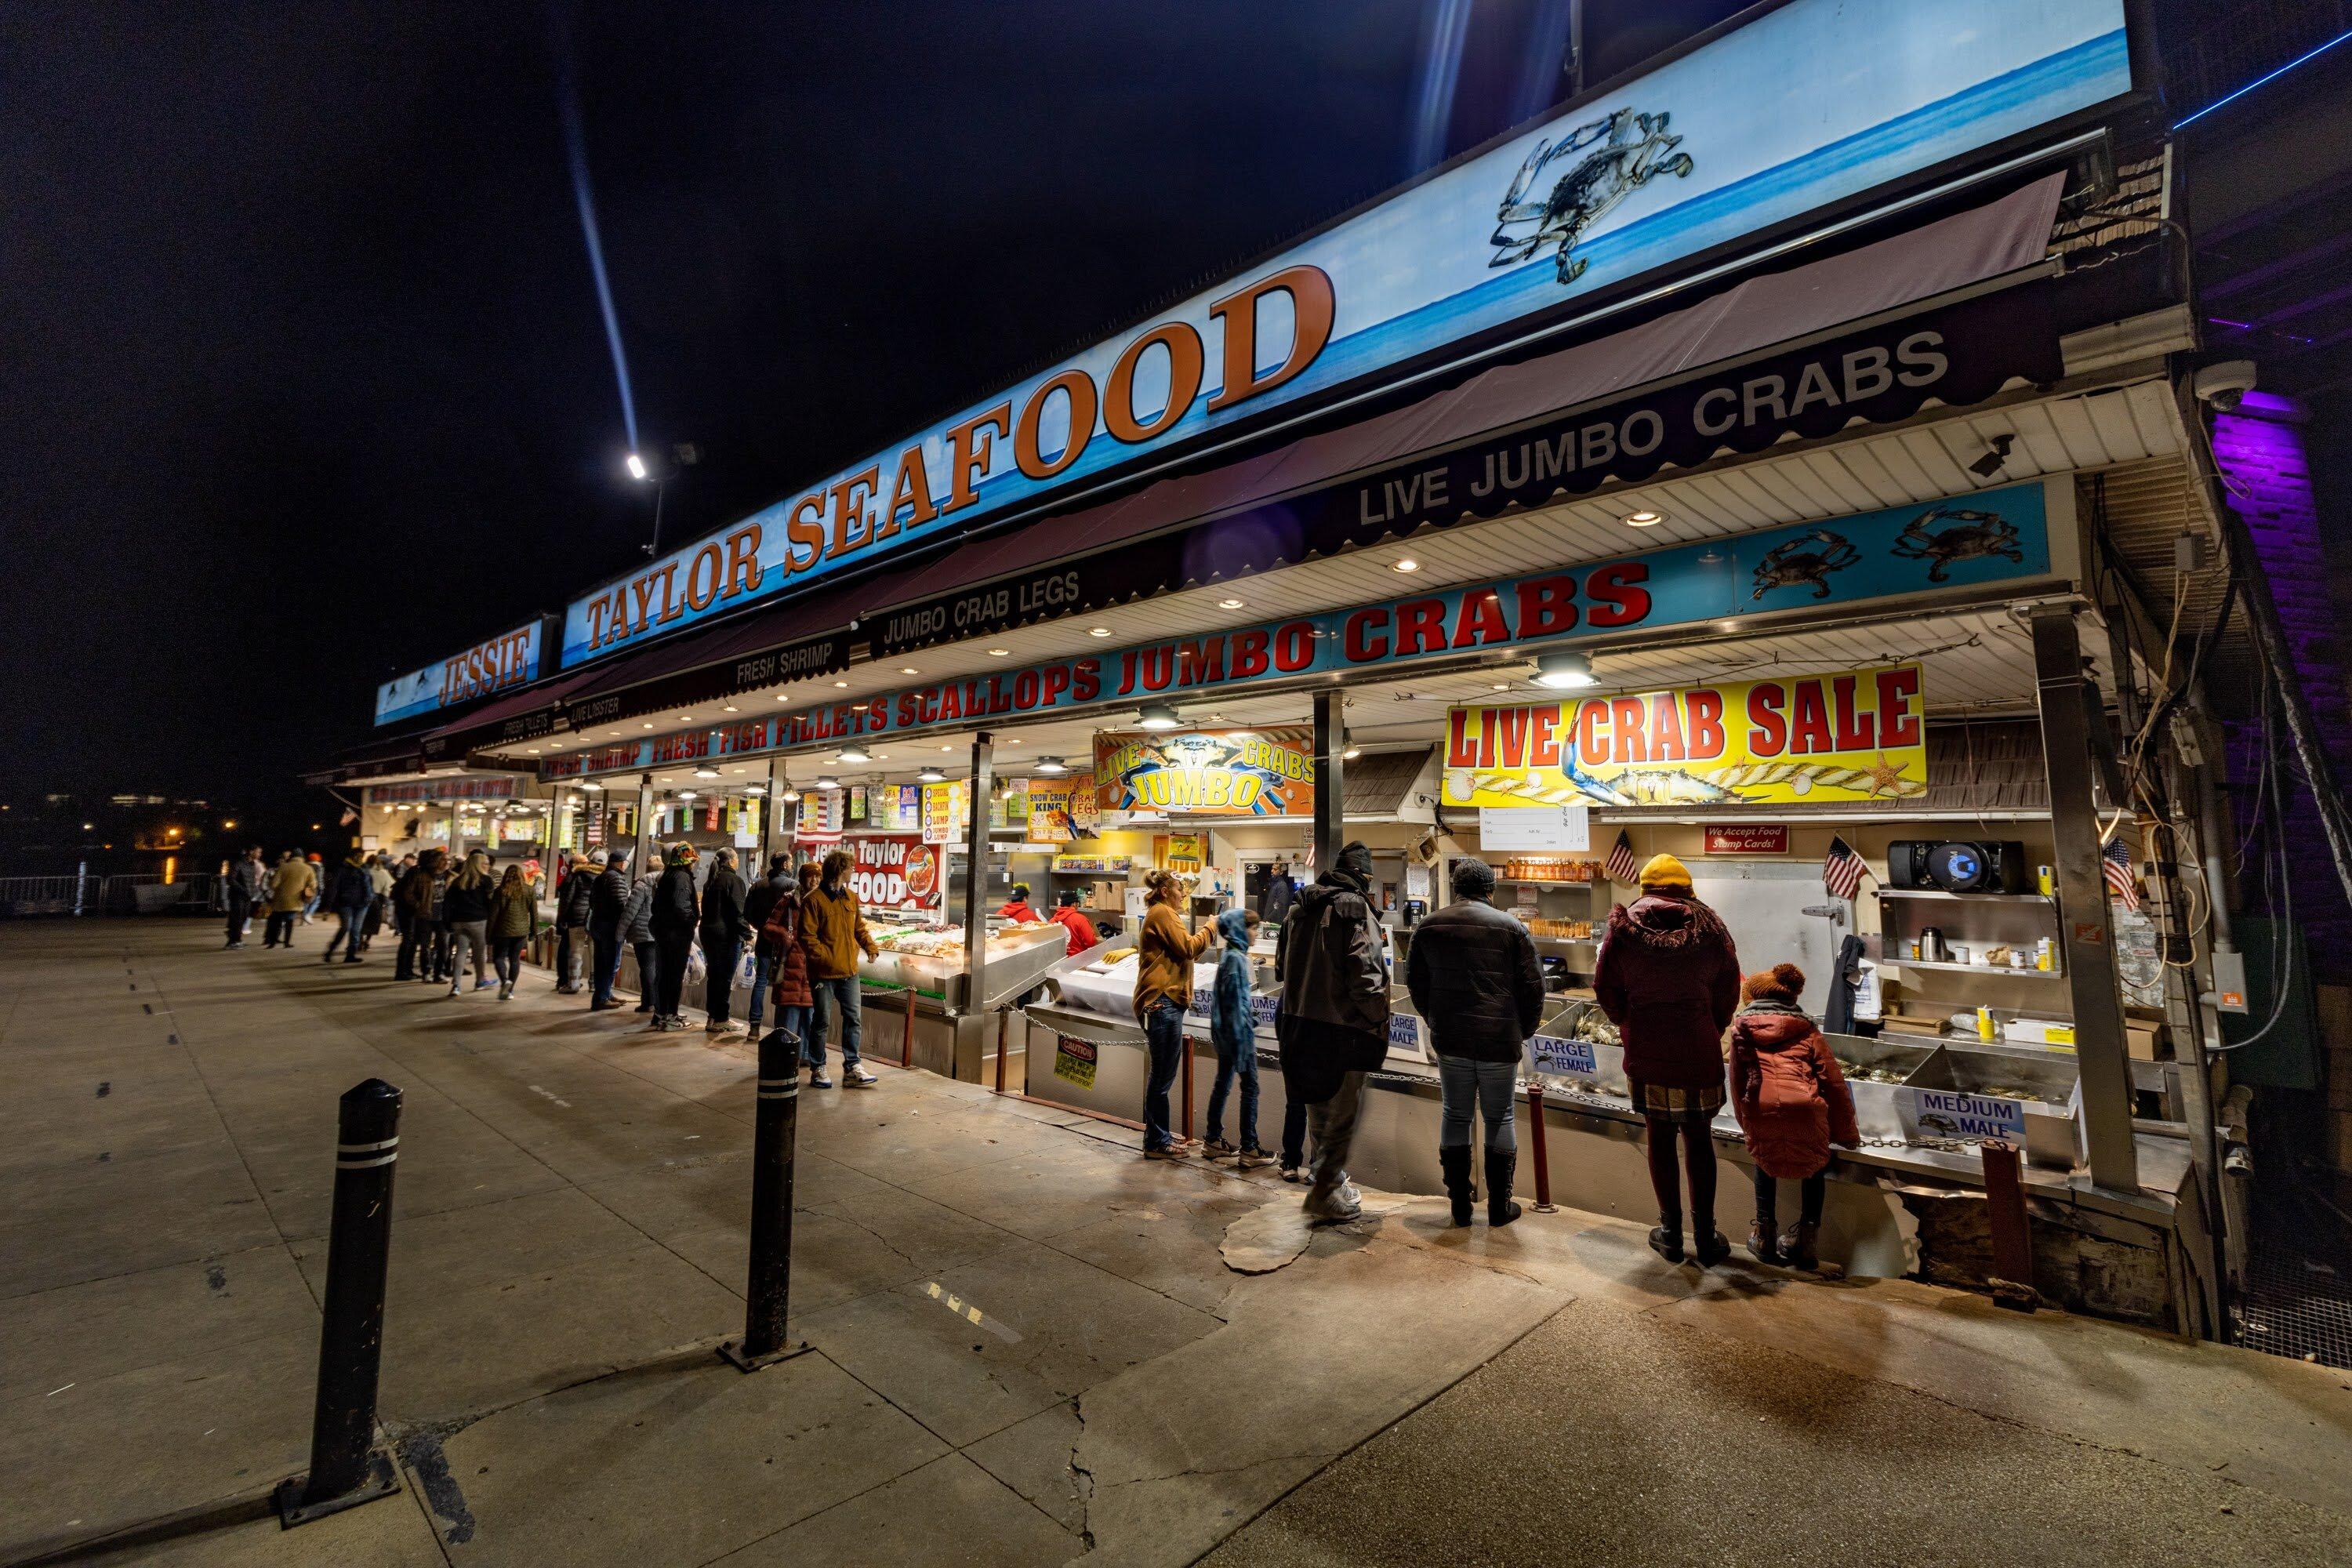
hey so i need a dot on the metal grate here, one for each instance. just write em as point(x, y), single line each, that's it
point(2296, 1305)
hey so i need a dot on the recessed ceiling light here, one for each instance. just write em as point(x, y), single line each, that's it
point(1645, 519)
point(532, 750)
point(739, 770)
point(731, 708)
point(1500, 686)
point(686, 718)
point(1405, 563)
point(841, 683)
point(649, 726)
point(1097, 631)
point(998, 652)
point(908, 670)
point(781, 697)
point(1229, 604)
point(946, 748)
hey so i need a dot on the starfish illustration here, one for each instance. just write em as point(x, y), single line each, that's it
point(1885, 776)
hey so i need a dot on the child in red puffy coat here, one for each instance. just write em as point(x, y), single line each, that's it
point(1793, 1102)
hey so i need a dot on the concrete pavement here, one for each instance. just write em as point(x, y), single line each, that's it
point(569, 1246)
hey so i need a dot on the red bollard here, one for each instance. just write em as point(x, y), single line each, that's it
point(2012, 1239)
point(1536, 1136)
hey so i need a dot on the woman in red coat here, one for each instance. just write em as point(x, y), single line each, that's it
point(1793, 1102)
point(1668, 977)
point(793, 998)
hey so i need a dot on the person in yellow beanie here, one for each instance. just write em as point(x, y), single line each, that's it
point(1668, 977)
point(1667, 874)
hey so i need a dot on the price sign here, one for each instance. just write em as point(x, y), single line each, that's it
point(1557, 1054)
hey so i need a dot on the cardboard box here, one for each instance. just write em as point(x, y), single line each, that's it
point(2146, 1042)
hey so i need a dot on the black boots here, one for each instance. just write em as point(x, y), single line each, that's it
point(1666, 1239)
point(1501, 1164)
point(1455, 1162)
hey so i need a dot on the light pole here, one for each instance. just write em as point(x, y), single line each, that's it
point(686, 455)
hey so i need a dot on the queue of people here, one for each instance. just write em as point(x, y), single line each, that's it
point(1667, 976)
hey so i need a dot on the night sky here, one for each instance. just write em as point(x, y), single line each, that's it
point(306, 383)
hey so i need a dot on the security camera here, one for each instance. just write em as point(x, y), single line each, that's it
point(2225, 384)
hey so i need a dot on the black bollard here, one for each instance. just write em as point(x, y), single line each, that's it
point(774, 1130)
point(346, 1469)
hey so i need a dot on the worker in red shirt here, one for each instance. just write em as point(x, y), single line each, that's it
point(1016, 908)
point(1067, 914)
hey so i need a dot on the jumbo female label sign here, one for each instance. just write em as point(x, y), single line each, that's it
point(1849, 735)
point(1207, 773)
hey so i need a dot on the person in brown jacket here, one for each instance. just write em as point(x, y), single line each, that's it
point(1163, 990)
point(514, 920)
point(1668, 977)
point(833, 933)
point(788, 964)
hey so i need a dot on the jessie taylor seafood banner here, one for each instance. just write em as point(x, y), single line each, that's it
point(1207, 773)
point(1760, 126)
point(1850, 735)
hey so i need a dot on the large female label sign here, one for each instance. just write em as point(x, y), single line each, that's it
point(1850, 735)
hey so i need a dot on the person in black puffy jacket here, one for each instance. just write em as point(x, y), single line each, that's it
point(573, 897)
point(723, 930)
point(672, 922)
point(1474, 976)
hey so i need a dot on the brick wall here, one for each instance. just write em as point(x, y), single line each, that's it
point(2265, 456)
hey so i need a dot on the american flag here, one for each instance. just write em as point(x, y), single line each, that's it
point(1843, 870)
point(1622, 866)
point(2115, 864)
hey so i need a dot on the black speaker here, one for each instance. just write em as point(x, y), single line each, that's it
point(1957, 865)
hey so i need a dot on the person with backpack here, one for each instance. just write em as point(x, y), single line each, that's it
point(1232, 1034)
point(1333, 1019)
point(638, 930)
point(1793, 1102)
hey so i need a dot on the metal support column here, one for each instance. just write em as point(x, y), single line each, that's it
point(1330, 789)
point(556, 805)
point(771, 813)
point(643, 855)
point(2085, 936)
point(975, 875)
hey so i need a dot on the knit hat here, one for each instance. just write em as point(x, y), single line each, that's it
point(1782, 983)
point(1665, 871)
point(1473, 878)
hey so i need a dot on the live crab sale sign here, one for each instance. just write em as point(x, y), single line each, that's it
point(1849, 735)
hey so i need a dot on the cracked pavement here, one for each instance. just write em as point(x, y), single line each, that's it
point(1028, 1343)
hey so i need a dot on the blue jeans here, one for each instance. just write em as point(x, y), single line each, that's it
point(608, 963)
point(1491, 1087)
point(832, 995)
point(719, 956)
point(1163, 1029)
point(567, 970)
point(1232, 1064)
point(763, 973)
point(794, 1021)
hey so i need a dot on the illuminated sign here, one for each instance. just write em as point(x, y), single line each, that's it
point(1810, 104)
point(1207, 773)
point(1988, 537)
point(510, 658)
point(1851, 735)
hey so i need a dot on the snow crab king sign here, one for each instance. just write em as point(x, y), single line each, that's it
point(1847, 736)
point(1748, 132)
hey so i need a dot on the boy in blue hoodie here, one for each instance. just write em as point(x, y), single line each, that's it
point(1233, 1032)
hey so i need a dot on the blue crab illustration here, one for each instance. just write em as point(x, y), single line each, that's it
point(1806, 559)
point(1623, 150)
point(1975, 535)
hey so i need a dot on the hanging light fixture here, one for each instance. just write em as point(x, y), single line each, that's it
point(1157, 716)
point(929, 775)
point(827, 781)
point(706, 771)
point(590, 785)
point(1565, 668)
point(854, 753)
point(1348, 749)
point(1050, 766)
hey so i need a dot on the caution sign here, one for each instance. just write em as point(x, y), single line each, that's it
point(1073, 1061)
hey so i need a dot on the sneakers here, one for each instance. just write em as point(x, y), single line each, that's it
point(1252, 1160)
point(1335, 1207)
point(506, 991)
point(234, 946)
point(608, 1005)
point(859, 1078)
point(1290, 1173)
point(453, 990)
point(818, 1080)
point(1172, 1151)
point(723, 1026)
point(484, 984)
point(1218, 1149)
